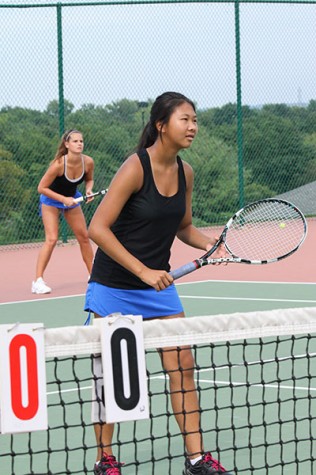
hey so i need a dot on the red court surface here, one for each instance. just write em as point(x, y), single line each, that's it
point(67, 274)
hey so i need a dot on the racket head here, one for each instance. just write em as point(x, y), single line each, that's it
point(265, 231)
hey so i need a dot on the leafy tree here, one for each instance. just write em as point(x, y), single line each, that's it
point(275, 152)
point(12, 209)
point(279, 154)
point(52, 108)
point(123, 110)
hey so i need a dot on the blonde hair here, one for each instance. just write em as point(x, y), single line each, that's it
point(62, 149)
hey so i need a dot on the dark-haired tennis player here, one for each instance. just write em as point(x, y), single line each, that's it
point(58, 188)
point(147, 205)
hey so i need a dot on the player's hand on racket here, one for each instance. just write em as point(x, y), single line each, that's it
point(158, 279)
point(220, 253)
point(69, 201)
point(89, 196)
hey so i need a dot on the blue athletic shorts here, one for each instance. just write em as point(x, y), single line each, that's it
point(56, 204)
point(149, 303)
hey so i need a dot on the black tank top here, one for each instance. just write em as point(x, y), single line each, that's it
point(146, 227)
point(64, 185)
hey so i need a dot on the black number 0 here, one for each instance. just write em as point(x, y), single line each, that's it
point(122, 401)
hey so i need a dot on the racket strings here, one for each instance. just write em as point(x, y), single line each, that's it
point(265, 231)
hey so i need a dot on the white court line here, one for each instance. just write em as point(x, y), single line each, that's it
point(209, 381)
point(258, 385)
point(212, 381)
point(268, 282)
point(42, 300)
point(246, 299)
point(177, 284)
point(51, 393)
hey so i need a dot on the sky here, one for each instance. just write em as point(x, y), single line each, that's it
point(139, 51)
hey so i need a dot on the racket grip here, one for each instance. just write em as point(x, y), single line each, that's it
point(79, 200)
point(184, 270)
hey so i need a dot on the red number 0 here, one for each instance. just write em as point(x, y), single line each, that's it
point(23, 412)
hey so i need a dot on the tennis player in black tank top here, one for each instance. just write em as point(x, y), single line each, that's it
point(147, 205)
point(58, 191)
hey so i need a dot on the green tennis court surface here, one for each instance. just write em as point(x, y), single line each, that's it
point(199, 298)
point(257, 396)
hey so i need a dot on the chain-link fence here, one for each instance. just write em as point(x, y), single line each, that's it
point(97, 66)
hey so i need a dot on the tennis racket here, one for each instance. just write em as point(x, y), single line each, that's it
point(86, 197)
point(262, 232)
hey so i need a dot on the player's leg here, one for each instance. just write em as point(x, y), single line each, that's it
point(76, 220)
point(183, 396)
point(106, 462)
point(179, 363)
point(104, 436)
point(50, 217)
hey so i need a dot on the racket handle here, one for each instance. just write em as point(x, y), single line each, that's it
point(86, 197)
point(184, 270)
point(79, 200)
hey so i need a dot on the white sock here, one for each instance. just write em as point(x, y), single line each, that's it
point(197, 459)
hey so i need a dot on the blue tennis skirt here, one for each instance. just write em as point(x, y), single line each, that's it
point(56, 204)
point(149, 303)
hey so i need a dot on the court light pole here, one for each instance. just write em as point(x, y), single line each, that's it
point(61, 100)
point(239, 109)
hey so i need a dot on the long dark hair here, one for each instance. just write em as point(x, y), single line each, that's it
point(161, 110)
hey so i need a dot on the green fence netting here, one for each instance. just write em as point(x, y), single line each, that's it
point(97, 66)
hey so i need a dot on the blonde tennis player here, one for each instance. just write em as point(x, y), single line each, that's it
point(58, 191)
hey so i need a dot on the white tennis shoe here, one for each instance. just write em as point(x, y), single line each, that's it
point(40, 287)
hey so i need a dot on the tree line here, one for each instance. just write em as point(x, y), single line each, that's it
point(279, 154)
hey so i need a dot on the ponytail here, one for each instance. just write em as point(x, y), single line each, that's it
point(148, 136)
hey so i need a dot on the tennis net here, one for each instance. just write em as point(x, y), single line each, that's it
point(255, 375)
